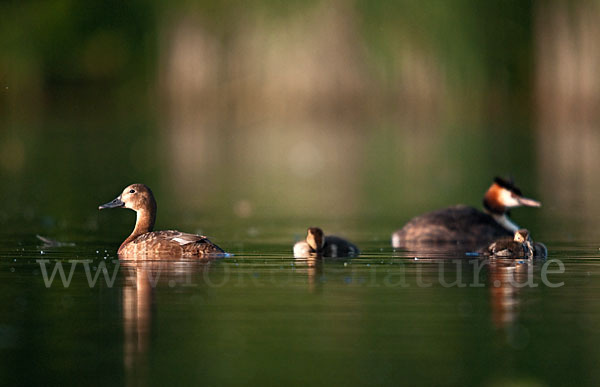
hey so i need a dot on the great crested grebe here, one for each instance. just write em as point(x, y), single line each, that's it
point(317, 244)
point(144, 243)
point(466, 225)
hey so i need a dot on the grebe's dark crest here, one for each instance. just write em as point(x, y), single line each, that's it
point(144, 243)
point(467, 225)
point(319, 245)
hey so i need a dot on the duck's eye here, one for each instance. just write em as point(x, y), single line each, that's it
point(131, 191)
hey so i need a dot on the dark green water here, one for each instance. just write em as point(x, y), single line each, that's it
point(262, 317)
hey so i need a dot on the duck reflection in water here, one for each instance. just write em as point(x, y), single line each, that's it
point(142, 279)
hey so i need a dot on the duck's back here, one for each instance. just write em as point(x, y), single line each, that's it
point(170, 243)
point(338, 247)
point(457, 224)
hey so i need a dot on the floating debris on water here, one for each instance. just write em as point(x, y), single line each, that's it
point(48, 242)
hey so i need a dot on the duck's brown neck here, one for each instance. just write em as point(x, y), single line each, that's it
point(144, 223)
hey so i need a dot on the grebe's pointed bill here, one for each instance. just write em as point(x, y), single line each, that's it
point(117, 202)
point(528, 202)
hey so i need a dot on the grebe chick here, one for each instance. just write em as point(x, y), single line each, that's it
point(145, 243)
point(317, 244)
point(521, 246)
point(466, 225)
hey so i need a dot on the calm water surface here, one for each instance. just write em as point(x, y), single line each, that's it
point(260, 316)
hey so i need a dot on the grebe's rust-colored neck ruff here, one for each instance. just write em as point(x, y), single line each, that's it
point(143, 241)
point(492, 200)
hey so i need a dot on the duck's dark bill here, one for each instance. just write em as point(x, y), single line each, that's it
point(115, 203)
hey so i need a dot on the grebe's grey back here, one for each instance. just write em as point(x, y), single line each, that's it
point(466, 225)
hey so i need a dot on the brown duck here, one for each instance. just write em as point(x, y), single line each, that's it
point(145, 243)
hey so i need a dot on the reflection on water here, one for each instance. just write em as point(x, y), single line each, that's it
point(506, 277)
point(138, 298)
point(141, 280)
point(373, 317)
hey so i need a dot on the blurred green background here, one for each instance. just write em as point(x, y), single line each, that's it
point(295, 108)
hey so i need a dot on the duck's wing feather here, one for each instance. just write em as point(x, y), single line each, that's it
point(190, 244)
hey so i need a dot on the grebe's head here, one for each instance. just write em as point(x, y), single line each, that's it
point(522, 236)
point(504, 195)
point(315, 238)
point(137, 197)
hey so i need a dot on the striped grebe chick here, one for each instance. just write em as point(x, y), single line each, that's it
point(466, 225)
point(521, 246)
point(143, 243)
point(318, 244)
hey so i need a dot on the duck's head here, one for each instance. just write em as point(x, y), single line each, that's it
point(315, 238)
point(137, 197)
point(504, 195)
